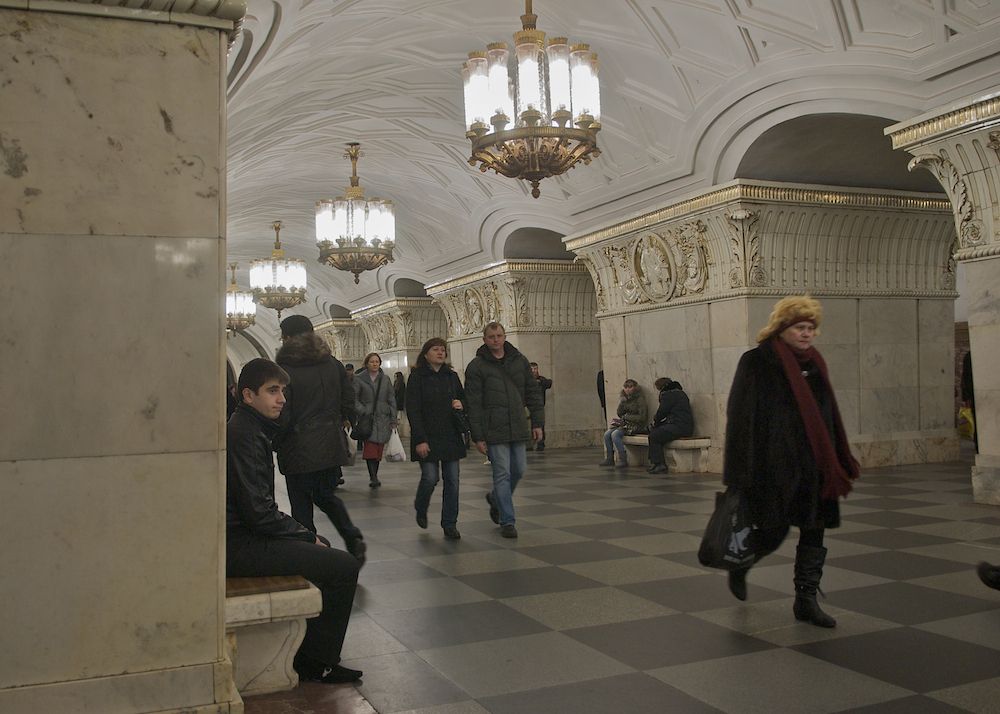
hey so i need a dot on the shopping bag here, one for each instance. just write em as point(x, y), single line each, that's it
point(726, 543)
point(394, 449)
point(352, 448)
point(966, 424)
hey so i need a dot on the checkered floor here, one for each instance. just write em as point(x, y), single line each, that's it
point(600, 605)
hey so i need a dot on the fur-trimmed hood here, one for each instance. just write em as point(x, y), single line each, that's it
point(304, 350)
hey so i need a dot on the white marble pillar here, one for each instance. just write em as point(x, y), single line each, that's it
point(112, 462)
point(548, 310)
point(960, 145)
point(683, 291)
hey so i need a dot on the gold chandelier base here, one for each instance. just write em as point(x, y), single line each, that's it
point(236, 323)
point(533, 153)
point(354, 259)
point(279, 300)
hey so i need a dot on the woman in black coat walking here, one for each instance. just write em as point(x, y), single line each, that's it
point(786, 450)
point(672, 421)
point(435, 407)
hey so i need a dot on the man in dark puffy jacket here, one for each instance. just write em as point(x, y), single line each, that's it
point(500, 389)
point(263, 541)
point(312, 445)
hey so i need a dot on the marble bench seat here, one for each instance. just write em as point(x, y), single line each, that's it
point(265, 624)
point(687, 454)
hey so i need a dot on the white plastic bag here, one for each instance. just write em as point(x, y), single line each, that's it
point(394, 449)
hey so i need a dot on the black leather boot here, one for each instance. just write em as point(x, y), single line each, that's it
point(738, 583)
point(808, 571)
point(373, 473)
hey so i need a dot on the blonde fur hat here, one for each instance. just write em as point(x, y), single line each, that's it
point(788, 311)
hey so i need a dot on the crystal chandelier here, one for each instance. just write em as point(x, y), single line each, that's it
point(278, 283)
point(555, 88)
point(364, 229)
point(241, 312)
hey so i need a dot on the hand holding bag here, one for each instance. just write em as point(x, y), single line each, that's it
point(394, 449)
point(726, 543)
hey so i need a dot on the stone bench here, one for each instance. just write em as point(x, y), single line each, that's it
point(265, 624)
point(687, 454)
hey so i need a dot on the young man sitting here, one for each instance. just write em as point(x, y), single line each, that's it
point(263, 541)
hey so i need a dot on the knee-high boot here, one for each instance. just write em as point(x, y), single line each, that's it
point(808, 571)
point(373, 473)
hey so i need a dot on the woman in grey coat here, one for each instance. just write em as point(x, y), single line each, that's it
point(374, 395)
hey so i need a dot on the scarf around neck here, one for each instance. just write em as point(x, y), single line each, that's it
point(835, 461)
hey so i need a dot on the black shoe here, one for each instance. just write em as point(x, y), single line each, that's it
point(989, 574)
point(494, 511)
point(358, 548)
point(540, 447)
point(452, 533)
point(508, 531)
point(657, 469)
point(422, 520)
point(738, 583)
point(375, 483)
point(310, 670)
point(340, 481)
point(609, 461)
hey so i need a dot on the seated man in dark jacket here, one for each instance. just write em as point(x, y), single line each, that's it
point(263, 541)
point(672, 421)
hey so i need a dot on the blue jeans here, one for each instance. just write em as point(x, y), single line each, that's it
point(614, 435)
point(428, 480)
point(509, 463)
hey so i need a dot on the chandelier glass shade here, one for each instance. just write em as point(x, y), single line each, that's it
point(241, 311)
point(541, 122)
point(364, 230)
point(278, 283)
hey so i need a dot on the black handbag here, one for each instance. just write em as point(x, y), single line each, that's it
point(726, 543)
point(363, 428)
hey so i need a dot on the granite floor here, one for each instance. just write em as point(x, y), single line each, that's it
point(600, 605)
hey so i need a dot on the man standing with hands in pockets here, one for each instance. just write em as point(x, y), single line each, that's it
point(500, 390)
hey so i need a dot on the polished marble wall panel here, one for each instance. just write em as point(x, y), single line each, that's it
point(729, 325)
point(123, 363)
point(117, 129)
point(118, 569)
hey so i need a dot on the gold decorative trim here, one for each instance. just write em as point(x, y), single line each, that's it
point(744, 191)
point(395, 304)
point(986, 110)
point(505, 267)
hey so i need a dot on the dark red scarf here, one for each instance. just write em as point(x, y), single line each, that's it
point(835, 461)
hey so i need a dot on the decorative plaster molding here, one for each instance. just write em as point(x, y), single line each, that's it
point(403, 323)
point(970, 230)
point(745, 244)
point(938, 124)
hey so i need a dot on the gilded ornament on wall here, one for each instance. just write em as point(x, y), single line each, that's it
point(745, 244)
point(653, 268)
point(971, 231)
point(622, 275)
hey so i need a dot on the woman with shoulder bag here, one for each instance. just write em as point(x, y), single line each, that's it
point(375, 398)
point(786, 450)
point(435, 408)
point(631, 420)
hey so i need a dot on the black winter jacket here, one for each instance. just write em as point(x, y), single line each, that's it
point(432, 418)
point(767, 452)
point(317, 401)
point(250, 506)
point(496, 402)
point(675, 411)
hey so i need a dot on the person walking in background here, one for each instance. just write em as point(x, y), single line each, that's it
point(631, 420)
point(672, 421)
point(544, 383)
point(374, 396)
point(312, 445)
point(499, 387)
point(399, 389)
point(786, 451)
point(600, 395)
point(437, 431)
point(969, 395)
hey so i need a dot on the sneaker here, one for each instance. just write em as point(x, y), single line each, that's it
point(358, 548)
point(990, 575)
point(422, 520)
point(494, 511)
point(452, 533)
point(508, 531)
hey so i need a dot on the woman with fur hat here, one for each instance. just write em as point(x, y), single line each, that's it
point(786, 450)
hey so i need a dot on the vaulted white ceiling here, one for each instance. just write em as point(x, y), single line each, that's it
point(691, 89)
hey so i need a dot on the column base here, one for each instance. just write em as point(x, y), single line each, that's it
point(986, 482)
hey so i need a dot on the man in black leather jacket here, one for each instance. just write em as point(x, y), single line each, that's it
point(263, 541)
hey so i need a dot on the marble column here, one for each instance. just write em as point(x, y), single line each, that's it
point(960, 145)
point(112, 461)
point(683, 291)
point(548, 310)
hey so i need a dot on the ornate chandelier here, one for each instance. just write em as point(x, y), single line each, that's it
point(364, 229)
point(555, 89)
point(278, 283)
point(241, 312)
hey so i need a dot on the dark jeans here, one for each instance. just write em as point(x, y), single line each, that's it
point(334, 572)
point(659, 436)
point(428, 480)
point(317, 487)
